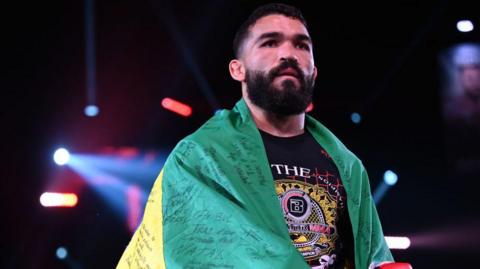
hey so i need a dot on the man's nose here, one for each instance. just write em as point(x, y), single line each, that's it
point(287, 51)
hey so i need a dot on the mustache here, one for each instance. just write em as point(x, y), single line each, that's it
point(288, 63)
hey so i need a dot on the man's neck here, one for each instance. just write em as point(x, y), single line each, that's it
point(282, 126)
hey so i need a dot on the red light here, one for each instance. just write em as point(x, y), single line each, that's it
point(127, 152)
point(53, 199)
point(177, 107)
point(309, 107)
point(134, 200)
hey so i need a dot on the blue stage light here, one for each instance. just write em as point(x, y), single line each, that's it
point(465, 26)
point(91, 110)
point(62, 253)
point(390, 178)
point(356, 118)
point(61, 156)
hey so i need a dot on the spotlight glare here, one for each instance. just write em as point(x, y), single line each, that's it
point(91, 110)
point(356, 118)
point(61, 253)
point(390, 178)
point(464, 26)
point(53, 199)
point(61, 156)
point(397, 242)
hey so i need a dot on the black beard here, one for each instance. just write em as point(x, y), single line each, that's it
point(287, 101)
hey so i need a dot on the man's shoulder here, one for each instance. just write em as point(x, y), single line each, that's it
point(220, 127)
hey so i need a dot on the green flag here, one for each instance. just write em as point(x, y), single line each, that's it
point(214, 204)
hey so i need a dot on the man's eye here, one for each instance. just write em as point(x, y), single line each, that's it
point(303, 46)
point(269, 44)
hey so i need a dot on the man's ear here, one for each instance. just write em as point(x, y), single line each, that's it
point(314, 72)
point(237, 70)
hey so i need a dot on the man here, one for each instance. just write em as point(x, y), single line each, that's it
point(263, 185)
point(462, 100)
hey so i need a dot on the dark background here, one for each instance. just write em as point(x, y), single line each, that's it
point(378, 58)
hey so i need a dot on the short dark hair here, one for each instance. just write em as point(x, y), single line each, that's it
point(260, 12)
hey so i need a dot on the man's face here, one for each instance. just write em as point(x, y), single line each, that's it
point(278, 60)
point(470, 80)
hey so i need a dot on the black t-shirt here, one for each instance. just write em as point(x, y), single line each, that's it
point(313, 199)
